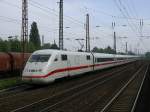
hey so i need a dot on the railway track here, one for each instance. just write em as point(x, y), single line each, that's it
point(13, 91)
point(54, 101)
point(33, 97)
point(83, 100)
point(125, 98)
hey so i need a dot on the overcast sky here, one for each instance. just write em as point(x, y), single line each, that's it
point(125, 13)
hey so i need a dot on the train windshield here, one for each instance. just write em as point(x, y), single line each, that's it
point(39, 58)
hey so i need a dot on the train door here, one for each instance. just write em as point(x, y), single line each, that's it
point(65, 64)
point(74, 62)
point(69, 64)
point(93, 61)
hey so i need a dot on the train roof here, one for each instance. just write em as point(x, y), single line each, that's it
point(104, 55)
point(51, 51)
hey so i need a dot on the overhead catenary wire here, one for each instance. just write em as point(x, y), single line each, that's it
point(71, 19)
point(128, 15)
point(139, 28)
point(134, 9)
point(45, 8)
point(121, 10)
point(125, 14)
point(48, 29)
point(39, 6)
point(111, 15)
point(130, 8)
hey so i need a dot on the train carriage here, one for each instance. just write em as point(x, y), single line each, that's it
point(10, 62)
point(5, 60)
point(45, 66)
point(58, 64)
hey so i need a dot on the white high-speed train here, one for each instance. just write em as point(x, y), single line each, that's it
point(45, 66)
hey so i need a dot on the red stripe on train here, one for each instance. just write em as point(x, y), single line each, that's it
point(67, 69)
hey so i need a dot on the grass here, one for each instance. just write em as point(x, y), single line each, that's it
point(6, 83)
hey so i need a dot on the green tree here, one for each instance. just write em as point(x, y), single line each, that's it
point(31, 47)
point(50, 46)
point(1, 45)
point(54, 46)
point(98, 50)
point(10, 45)
point(46, 46)
point(34, 36)
point(147, 55)
point(95, 49)
point(15, 45)
point(105, 50)
point(109, 50)
point(4, 46)
point(131, 53)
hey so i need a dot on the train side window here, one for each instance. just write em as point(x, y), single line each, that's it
point(63, 57)
point(103, 59)
point(98, 59)
point(106, 59)
point(88, 57)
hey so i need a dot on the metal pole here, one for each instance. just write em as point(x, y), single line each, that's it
point(115, 42)
point(126, 48)
point(24, 29)
point(87, 34)
point(61, 25)
point(42, 40)
point(114, 36)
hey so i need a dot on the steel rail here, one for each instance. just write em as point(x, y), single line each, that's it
point(138, 94)
point(76, 94)
point(11, 92)
point(19, 93)
point(120, 91)
point(11, 88)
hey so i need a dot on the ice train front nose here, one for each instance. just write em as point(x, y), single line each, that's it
point(31, 74)
point(36, 69)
